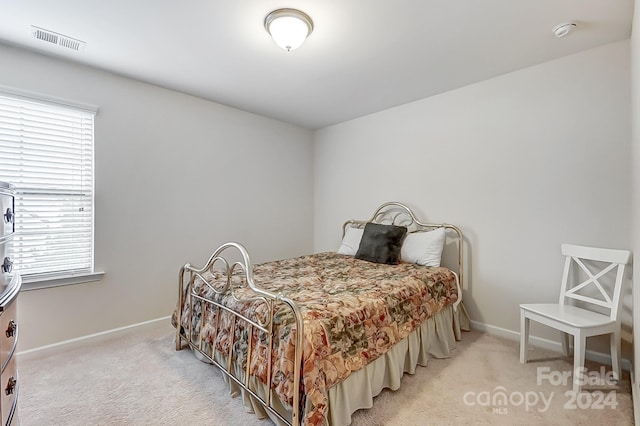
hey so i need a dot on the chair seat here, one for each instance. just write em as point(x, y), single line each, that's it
point(569, 314)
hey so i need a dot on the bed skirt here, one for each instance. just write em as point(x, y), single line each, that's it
point(435, 338)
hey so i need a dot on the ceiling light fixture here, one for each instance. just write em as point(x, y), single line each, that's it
point(289, 28)
point(563, 29)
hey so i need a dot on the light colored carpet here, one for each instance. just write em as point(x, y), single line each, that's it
point(137, 378)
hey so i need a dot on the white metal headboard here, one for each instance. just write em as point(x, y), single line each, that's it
point(395, 213)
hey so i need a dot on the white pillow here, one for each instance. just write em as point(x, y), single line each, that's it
point(423, 248)
point(351, 241)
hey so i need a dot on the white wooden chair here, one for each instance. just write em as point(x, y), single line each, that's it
point(582, 322)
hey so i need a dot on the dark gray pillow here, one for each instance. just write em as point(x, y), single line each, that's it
point(381, 243)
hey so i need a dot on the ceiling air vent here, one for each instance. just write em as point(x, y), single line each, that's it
point(56, 38)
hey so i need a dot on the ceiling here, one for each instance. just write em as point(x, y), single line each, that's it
point(363, 55)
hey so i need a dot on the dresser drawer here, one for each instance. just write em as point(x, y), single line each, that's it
point(6, 261)
point(7, 216)
point(9, 387)
point(8, 334)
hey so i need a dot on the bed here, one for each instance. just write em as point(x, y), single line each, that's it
point(312, 339)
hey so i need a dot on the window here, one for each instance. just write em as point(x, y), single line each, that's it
point(46, 152)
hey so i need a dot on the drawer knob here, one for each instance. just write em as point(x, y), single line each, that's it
point(11, 330)
point(8, 216)
point(7, 265)
point(11, 385)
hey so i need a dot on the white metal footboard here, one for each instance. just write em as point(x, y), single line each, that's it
point(188, 296)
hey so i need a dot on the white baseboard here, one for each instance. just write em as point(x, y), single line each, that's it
point(546, 344)
point(90, 336)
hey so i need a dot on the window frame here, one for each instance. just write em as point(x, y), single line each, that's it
point(62, 278)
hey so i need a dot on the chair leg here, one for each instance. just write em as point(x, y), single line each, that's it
point(615, 354)
point(565, 343)
point(524, 336)
point(579, 347)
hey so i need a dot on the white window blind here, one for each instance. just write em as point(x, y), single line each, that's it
point(46, 152)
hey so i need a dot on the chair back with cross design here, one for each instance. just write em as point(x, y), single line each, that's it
point(593, 290)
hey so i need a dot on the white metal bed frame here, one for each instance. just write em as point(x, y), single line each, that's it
point(391, 212)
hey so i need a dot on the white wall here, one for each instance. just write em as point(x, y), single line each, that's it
point(635, 184)
point(176, 176)
point(521, 162)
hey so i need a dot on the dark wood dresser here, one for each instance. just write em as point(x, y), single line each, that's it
point(10, 283)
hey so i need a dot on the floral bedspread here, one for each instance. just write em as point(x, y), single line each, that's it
point(353, 311)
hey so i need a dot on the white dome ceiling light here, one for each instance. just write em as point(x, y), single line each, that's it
point(289, 28)
point(563, 29)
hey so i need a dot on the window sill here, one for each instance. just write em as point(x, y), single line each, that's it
point(57, 282)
